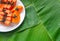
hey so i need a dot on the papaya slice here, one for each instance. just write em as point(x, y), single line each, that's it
point(1, 21)
point(2, 13)
point(7, 6)
point(7, 23)
point(7, 11)
point(8, 18)
point(1, 7)
point(10, 1)
point(1, 17)
point(15, 18)
point(4, 1)
point(14, 2)
point(18, 9)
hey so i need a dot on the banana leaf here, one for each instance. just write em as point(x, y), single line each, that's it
point(42, 22)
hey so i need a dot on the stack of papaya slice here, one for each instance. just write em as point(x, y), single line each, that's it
point(9, 12)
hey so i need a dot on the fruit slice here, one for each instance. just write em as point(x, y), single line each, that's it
point(8, 18)
point(6, 6)
point(17, 9)
point(4, 1)
point(7, 23)
point(9, 7)
point(9, 1)
point(1, 7)
point(15, 18)
point(13, 2)
point(8, 12)
point(1, 21)
point(2, 13)
point(1, 17)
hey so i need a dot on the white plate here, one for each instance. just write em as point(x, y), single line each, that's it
point(14, 26)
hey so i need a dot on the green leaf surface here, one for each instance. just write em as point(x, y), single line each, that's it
point(36, 33)
point(42, 22)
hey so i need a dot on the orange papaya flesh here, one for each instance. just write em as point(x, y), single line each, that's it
point(18, 9)
point(15, 18)
point(7, 23)
point(4, 1)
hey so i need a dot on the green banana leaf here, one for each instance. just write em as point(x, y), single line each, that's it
point(42, 22)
